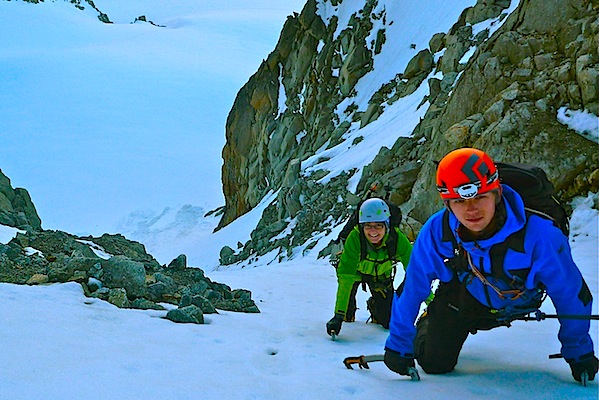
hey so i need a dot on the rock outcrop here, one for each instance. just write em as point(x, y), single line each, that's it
point(109, 267)
point(16, 207)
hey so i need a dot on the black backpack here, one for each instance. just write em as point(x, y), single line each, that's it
point(394, 222)
point(536, 190)
point(538, 194)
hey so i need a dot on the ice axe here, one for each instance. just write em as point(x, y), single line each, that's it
point(363, 361)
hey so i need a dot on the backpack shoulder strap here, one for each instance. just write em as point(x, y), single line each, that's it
point(447, 234)
point(363, 244)
point(392, 243)
point(458, 262)
point(392, 249)
point(498, 251)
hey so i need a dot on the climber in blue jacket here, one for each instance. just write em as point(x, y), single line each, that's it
point(454, 246)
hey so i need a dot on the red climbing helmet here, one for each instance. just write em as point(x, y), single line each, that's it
point(465, 173)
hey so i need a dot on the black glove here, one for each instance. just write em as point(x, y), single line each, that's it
point(334, 325)
point(397, 363)
point(588, 363)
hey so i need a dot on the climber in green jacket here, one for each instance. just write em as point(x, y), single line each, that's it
point(368, 258)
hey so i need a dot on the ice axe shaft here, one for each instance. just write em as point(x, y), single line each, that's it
point(539, 316)
point(363, 361)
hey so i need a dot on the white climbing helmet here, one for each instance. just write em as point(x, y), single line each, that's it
point(374, 210)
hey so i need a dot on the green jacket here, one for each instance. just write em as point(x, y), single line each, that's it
point(376, 264)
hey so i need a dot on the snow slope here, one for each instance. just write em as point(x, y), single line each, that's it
point(59, 344)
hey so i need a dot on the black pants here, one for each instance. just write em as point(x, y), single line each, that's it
point(443, 329)
point(379, 304)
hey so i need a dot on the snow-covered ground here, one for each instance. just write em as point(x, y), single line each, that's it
point(119, 128)
point(58, 344)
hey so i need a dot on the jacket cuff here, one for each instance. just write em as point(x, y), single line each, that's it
point(581, 358)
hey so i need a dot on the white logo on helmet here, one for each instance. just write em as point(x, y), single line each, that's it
point(467, 191)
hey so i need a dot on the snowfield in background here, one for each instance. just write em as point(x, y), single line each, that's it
point(101, 120)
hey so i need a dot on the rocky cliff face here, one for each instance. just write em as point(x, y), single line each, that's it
point(262, 150)
point(498, 90)
point(506, 101)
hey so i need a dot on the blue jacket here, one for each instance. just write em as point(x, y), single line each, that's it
point(546, 252)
